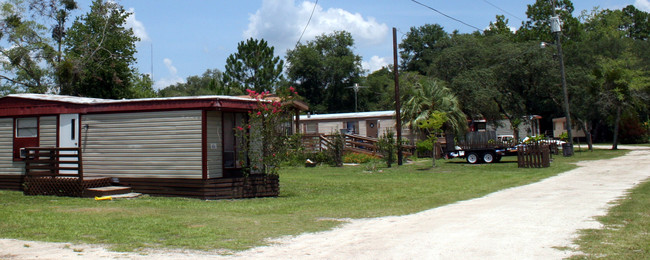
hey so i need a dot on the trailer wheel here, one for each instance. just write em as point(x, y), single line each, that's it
point(472, 158)
point(488, 157)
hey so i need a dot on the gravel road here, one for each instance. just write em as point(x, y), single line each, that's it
point(526, 222)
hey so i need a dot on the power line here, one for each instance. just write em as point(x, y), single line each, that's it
point(447, 15)
point(303, 30)
point(508, 13)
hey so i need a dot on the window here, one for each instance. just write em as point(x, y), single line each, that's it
point(26, 127)
point(352, 127)
point(73, 129)
point(26, 135)
point(481, 127)
point(311, 128)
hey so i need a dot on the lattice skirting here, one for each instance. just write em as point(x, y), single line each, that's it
point(62, 186)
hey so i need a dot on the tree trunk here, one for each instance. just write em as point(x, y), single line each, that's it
point(590, 142)
point(585, 127)
point(618, 119)
point(515, 134)
point(435, 144)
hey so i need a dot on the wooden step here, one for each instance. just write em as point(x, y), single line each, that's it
point(106, 191)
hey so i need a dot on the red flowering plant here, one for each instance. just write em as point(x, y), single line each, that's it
point(264, 138)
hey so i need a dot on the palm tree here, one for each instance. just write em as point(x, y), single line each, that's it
point(429, 96)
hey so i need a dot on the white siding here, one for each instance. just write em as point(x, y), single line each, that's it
point(47, 131)
point(385, 124)
point(363, 128)
point(215, 144)
point(7, 165)
point(503, 127)
point(330, 127)
point(163, 144)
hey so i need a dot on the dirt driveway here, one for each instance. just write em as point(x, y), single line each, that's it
point(526, 222)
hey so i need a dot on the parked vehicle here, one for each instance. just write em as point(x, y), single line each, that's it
point(478, 147)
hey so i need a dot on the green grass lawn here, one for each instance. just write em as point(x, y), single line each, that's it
point(626, 232)
point(311, 199)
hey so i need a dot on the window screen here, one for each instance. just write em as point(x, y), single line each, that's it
point(27, 127)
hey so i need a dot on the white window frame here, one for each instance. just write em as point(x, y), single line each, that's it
point(23, 124)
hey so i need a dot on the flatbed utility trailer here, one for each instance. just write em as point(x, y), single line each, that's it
point(478, 147)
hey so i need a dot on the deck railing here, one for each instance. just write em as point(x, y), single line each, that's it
point(353, 143)
point(53, 162)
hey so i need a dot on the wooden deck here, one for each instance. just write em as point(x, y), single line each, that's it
point(353, 143)
point(59, 172)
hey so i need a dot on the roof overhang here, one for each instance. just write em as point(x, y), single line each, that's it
point(38, 104)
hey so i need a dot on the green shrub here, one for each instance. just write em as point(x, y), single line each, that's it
point(358, 158)
point(335, 150)
point(424, 146)
point(388, 147)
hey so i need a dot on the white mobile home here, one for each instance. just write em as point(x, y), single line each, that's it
point(370, 124)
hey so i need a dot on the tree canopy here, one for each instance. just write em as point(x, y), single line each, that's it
point(99, 53)
point(323, 69)
point(253, 66)
point(209, 83)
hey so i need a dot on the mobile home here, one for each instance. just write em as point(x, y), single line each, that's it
point(182, 146)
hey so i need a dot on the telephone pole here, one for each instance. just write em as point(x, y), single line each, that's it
point(398, 117)
point(557, 30)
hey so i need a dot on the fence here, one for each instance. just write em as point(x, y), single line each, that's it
point(533, 156)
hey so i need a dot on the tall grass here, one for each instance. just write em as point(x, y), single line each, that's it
point(311, 199)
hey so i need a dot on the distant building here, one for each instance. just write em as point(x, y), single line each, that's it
point(559, 127)
point(529, 126)
point(370, 124)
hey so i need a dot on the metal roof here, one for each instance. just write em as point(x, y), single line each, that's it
point(85, 100)
point(388, 113)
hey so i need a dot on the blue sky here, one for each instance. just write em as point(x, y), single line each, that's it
point(189, 37)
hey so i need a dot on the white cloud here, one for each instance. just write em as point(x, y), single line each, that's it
point(643, 5)
point(170, 67)
point(375, 63)
point(280, 22)
point(137, 26)
point(171, 78)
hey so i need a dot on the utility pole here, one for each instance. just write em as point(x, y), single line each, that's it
point(557, 30)
point(398, 117)
point(356, 88)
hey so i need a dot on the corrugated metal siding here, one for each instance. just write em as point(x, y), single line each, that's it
point(164, 144)
point(215, 142)
point(47, 131)
point(7, 165)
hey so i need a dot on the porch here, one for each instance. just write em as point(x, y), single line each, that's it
point(59, 171)
point(353, 143)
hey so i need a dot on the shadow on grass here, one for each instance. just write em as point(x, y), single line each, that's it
point(464, 162)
